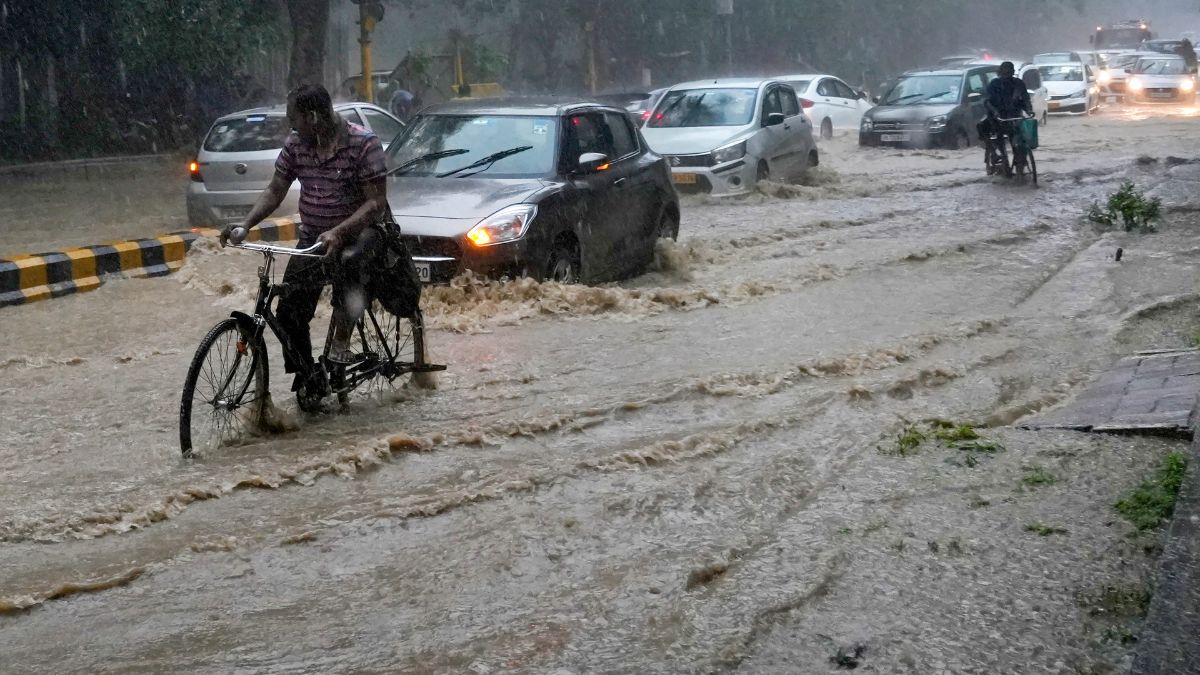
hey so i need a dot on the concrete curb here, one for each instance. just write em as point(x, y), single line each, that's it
point(30, 278)
point(1170, 640)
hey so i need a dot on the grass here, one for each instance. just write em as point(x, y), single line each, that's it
point(1153, 502)
point(1130, 207)
point(948, 434)
point(1127, 601)
point(1044, 530)
point(978, 503)
point(1037, 476)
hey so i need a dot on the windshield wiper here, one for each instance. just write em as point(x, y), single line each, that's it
point(433, 156)
point(902, 98)
point(687, 117)
point(487, 161)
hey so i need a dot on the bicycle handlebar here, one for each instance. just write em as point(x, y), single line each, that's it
point(1013, 119)
point(310, 252)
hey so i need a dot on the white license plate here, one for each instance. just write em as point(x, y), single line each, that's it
point(1162, 94)
point(895, 138)
point(235, 211)
point(1055, 105)
point(423, 272)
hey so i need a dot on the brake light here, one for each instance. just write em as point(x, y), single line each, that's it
point(806, 103)
point(194, 171)
point(645, 115)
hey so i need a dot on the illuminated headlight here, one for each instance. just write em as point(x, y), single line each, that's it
point(1104, 77)
point(729, 153)
point(1187, 85)
point(507, 224)
point(867, 124)
point(937, 123)
point(1135, 83)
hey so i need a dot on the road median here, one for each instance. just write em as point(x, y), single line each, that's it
point(42, 276)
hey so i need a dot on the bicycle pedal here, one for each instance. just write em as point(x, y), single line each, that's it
point(428, 368)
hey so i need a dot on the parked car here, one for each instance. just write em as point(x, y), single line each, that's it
point(1073, 87)
point(1170, 47)
point(1113, 81)
point(967, 57)
point(722, 136)
point(829, 102)
point(553, 188)
point(236, 160)
point(1161, 79)
point(930, 108)
point(1058, 57)
point(637, 104)
point(381, 82)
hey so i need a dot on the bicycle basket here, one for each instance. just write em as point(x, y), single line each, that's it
point(1029, 131)
point(393, 280)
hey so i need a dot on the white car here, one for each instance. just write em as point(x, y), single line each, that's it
point(236, 160)
point(1161, 79)
point(723, 136)
point(1114, 81)
point(829, 102)
point(1039, 95)
point(1072, 86)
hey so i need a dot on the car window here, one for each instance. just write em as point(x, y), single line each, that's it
point(917, 89)
point(586, 133)
point(801, 86)
point(1032, 79)
point(623, 140)
point(845, 91)
point(705, 108)
point(1062, 73)
point(481, 136)
point(826, 88)
point(248, 134)
point(772, 103)
point(385, 126)
point(351, 116)
point(791, 106)
point(975, 84)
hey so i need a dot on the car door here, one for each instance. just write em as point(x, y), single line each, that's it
point(798, 129)
point(1038, 95)
point(974, 101)
point(773, 141)
point(850, 115)
point(592, 206)
point(635, 199)
point(386, 127)
point(825, 102)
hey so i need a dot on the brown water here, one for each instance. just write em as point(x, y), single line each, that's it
point(677, 473)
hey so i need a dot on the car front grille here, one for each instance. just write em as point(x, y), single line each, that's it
point(438, 247)
point(1162, 90)
point(899, 126)
point(690, 160)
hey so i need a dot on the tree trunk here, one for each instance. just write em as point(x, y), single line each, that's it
point(310, 23)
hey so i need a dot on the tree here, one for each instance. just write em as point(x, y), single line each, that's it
point(310, 24)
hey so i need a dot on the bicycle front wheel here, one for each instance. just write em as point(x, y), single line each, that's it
point(1032, 166)
point(225, 390)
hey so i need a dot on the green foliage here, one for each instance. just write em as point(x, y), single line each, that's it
point(948, 434)
point(1044, 530)
point(1037, 476)
point(1129, 207)
point(1153, 502)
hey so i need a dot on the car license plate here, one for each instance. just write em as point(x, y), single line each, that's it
point(895, 138)
point(1162, 94)
point(1055, 105)
point(235, 211)
point(684, 178)
point(423, 272)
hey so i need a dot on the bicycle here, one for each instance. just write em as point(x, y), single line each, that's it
point(1023, 161)
point(227, 383)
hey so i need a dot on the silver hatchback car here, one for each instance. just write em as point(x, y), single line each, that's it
point(237, 160)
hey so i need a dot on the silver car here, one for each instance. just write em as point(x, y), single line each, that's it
point(237, 160)
point(723, 136)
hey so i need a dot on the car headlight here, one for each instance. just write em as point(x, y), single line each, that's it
point(507, 224)
point(938, 122)
point(1135, 83)
point(1079, 94)
point(1187, 84)
point(867, 124)
point(729, 153)
point(1104, 77)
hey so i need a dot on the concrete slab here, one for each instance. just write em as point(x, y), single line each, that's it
point(1152, 391)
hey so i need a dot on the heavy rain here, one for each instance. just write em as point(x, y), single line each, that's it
point(747, 323)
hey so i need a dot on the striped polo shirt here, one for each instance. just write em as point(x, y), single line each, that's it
point(331, 190)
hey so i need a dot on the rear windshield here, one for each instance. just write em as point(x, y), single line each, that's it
point(248, 134)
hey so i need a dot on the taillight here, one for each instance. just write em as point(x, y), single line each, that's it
point(806, 104)
point(645, 115)
point(194, 171)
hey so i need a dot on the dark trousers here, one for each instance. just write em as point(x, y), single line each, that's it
point(305, 278)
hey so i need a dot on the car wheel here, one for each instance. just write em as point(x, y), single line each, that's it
point(763, 173)
point(961, 140)
point(563, 266)
point(814, 159)
point(668, 226)
point(826, 129)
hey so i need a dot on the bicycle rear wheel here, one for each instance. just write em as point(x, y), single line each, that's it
point(225, 389)
point(396, 347)
point(1032, 166)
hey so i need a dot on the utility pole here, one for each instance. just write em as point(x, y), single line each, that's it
point(590, 28)
point(725, 9)
point(370, 12)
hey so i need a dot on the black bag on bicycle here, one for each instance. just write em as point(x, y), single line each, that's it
point(393, 280)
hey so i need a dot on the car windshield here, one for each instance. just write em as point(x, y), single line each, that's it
point(1062, 73)
point(924, 89)
point(705, 108)
point(480, 136)
point(1122, 61)
point(1162, 67)
point(248, 134)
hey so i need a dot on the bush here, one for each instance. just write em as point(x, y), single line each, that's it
point(1128, 206)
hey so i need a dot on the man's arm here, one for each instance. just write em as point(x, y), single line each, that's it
point(372, 208)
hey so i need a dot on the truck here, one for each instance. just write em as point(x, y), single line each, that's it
point(1122, 35)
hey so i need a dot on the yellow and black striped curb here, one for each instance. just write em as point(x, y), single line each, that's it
point(29, 278)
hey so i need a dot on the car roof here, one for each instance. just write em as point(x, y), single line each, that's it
point(722, 83)
point(804, 76)
point(947, 71)
point(546, 106)
point(281, 109)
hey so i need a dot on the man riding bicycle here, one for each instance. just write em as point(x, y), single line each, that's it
point(341, 171)
point(1007, 98)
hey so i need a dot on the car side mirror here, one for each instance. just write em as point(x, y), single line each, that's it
point(774, 120)
point(862, 95)
point(875, 100)
point(1128, 71)
point(974, 97)
point(592, 162)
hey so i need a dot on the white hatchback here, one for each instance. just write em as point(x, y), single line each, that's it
point(721, 137)
point(829, 102)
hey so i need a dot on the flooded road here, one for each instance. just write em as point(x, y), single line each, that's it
point(692, 471)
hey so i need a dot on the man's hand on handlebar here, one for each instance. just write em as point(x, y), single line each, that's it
point(332, 241)
point(234, 234)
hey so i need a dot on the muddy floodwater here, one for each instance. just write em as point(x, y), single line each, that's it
point(691, 471)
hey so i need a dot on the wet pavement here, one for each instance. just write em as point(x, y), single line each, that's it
point(692, 471)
